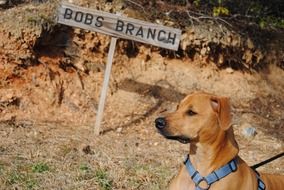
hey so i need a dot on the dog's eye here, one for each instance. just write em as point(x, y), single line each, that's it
point(191, 113)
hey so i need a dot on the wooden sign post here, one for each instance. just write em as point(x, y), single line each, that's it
point(117, 27)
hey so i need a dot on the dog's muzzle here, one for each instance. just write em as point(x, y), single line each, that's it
point(161, 124)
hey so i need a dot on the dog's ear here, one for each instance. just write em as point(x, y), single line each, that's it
point(221, 105)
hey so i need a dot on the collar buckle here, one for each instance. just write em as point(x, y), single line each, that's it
point(201, 180)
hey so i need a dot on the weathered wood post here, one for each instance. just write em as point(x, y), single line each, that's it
point(105, 85)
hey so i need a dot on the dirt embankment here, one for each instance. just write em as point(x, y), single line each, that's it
point(55, 72)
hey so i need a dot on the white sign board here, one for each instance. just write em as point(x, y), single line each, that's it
point(119, 26)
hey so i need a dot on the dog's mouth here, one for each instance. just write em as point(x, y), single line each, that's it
point(182, 139)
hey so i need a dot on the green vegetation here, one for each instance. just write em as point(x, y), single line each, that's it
point(1, 168)
point(271, 22)
point(31, 184)
point(266, 14)
point(20, 174)
point(15, 177)
point(40, 167)
point(219, 11)
point(85, 168)
point(147, 176)
point(99, 175)
point(102, 178)
point(25, 180)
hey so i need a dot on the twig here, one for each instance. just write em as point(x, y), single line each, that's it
point(137, 4)
point(243, 16)
point(197, 13)
point(80, 79)
point(192, 18)
point(215, 19)
point(219, 18)
point(203, 16)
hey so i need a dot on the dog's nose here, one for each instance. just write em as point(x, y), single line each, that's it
point(160, 122)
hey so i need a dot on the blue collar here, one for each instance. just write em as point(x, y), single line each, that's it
point(216, 175)
point(212, 177)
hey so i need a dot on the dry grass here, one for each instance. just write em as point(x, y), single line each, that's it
point(46, 160)
point(50, 156)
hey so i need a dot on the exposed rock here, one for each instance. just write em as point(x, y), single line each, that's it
point(229, 70)
point(248, 130)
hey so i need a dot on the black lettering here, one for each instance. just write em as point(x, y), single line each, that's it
point(119, 26)
point(89, 19)
point(162, 37)
point(68, 13)
point(99, 22)
point(79, 16)
point(129, 28)
point(151, 34)
point(140, 32)
point(172, 39)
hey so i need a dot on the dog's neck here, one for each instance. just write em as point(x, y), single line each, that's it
point(209, 156)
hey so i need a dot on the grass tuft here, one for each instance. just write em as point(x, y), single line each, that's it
point(15, 177)
point(40, 168)
point(102, 178)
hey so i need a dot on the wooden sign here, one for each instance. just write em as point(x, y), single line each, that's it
point(119, 26)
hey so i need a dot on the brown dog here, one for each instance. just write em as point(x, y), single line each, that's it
point(204, 121)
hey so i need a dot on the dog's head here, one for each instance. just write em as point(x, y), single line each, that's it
point(199, 117)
